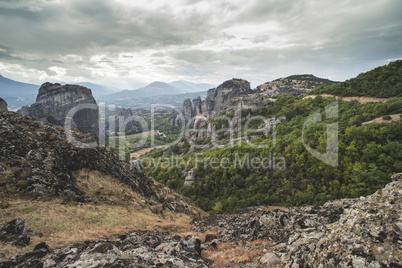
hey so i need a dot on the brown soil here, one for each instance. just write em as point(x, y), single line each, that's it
point(359, 99)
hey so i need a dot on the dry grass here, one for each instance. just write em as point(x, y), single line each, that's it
point(65, 224)
point(106, 188)
point(118, 211)
point(227, 254)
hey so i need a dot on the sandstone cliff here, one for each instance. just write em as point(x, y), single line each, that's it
point(217, 99)
point(54, 102)
point(235, 92)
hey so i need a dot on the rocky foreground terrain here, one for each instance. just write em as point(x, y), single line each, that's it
point(365, 232)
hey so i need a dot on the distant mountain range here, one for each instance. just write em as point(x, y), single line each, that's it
point(146, 102)
point(18, 94)
point(13, 88)
point(159, 89)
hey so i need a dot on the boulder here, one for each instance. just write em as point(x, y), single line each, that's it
point(14, 232)
point(270, 259)
point(190, 179)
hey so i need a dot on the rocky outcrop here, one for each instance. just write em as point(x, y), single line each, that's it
point(14, 232)
point(188, 110)
point(217, 99)
point(190, 179)
point(364, 232)
point(55, 102)
point(136, 249)
point(296, 85)
point(3, 105)
point(126, 119)
point(248, 102)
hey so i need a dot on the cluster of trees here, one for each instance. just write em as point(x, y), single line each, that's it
point(368, 156)
point(382, 82)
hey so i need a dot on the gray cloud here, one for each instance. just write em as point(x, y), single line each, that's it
point(258, 40)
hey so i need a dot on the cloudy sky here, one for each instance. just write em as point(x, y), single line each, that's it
point(135, 42)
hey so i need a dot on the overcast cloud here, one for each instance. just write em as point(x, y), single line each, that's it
point(136, 42)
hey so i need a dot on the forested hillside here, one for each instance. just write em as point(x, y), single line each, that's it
point(382, 82)
point(368, 156)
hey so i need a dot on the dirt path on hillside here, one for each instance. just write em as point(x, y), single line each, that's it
point(395, 118)
point(359, 99)
point(144, 151)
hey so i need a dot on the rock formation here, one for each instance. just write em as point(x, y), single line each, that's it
point(235, 91)
point(54, 103)
point(296, 85)
point(14, 232)
point(126, 118)
point(249, 102)
point(190, 179)
point(3, 105)
point(217, 99)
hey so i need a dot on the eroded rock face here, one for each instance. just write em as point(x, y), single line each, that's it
point(125, 120)
point(190, 179)
point(296, 85)
point(188, 109)
point(55, 102)
point(217, 99)
point(3, 105)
